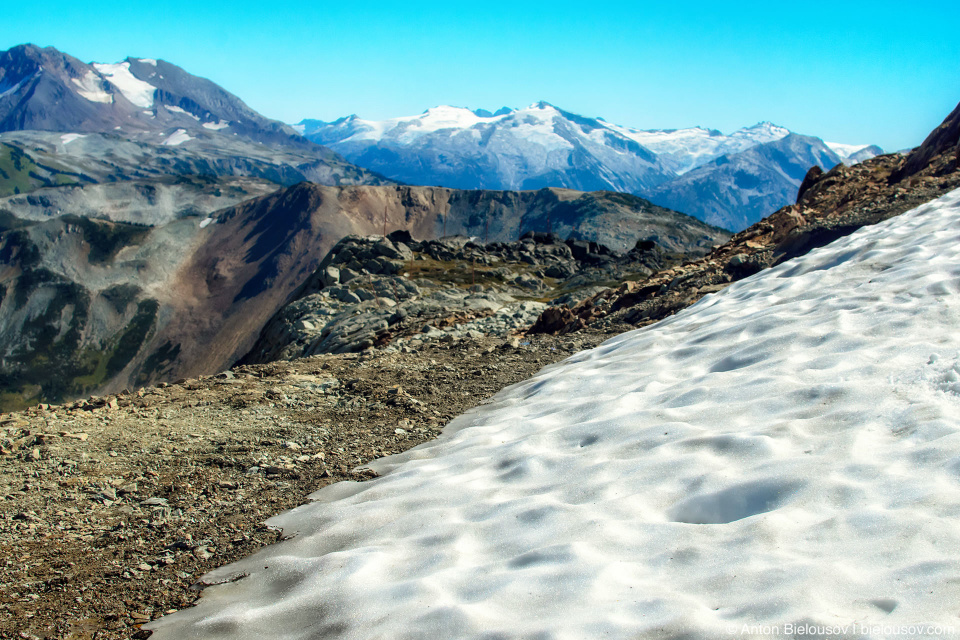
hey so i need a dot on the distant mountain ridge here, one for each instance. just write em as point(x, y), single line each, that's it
point(542, 145)
point(736, 190)
point(539, 146)
point(141, 119)
point(47, 90)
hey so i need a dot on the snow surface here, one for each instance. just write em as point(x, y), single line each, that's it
point(67, 138)
point(176, 138)
point(89, 87)
point(6, 88)
point(216, 126)
point(175, 109)
point(149, 61)
point(205, 222)
point(786, 451)
point(845, 150)
point(137, 91)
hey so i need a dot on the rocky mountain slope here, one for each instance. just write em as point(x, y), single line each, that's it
point(398, 292)
point(542, 145)
point(94, 305)
point(736, 190)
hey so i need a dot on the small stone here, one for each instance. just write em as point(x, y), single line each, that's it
point(203, 552)
point(82, 437)
point(155, 502)
point(293, 446)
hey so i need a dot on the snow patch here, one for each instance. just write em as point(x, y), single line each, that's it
point(175, 109)
point(137, 91)
point(7, 89)
point(216, 126)
point(205, 222)
point(149, 61)
point(67, 138)
point(176, 138)
point(768, 456)
point(90, 88)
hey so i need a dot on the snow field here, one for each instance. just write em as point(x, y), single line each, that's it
point(138, 92)
point(89, 88)
point(177, 138)
point(784, 452)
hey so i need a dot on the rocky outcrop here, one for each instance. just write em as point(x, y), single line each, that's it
point(942, 144)
point(397, 292)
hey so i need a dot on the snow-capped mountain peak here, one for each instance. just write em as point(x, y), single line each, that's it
point(543, 145)
point(536, 146)
point(761, 132)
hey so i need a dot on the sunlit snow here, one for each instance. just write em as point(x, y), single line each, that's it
point(176, 109)
point(67, 138)
point(138, 92)
point(216, 126)
point(178, 137)
point(785, 452)
point(89, 87)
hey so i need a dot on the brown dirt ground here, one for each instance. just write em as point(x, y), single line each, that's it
point(113, 508)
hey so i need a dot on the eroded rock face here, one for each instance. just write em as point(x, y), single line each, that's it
point(397, 292)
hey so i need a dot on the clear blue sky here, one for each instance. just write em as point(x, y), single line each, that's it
point(859, 72)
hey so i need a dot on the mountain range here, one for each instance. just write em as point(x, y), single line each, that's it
point(543, 145)
point(151, 223)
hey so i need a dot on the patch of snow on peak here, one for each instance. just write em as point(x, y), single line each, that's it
point(216, 126)
point(176, 138)
point(299, 128)
point(175, 109)
point(761, 133)
point(853, 153)
point(7, 88)
point(149, 61)
point(89, 87)
point(760, 457)
point(67, 138)
point(137, 91)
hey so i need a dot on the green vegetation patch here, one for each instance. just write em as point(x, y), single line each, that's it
point(21, 173)
point(50, 364)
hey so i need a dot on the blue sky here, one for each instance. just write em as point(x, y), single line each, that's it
point(857, 72)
